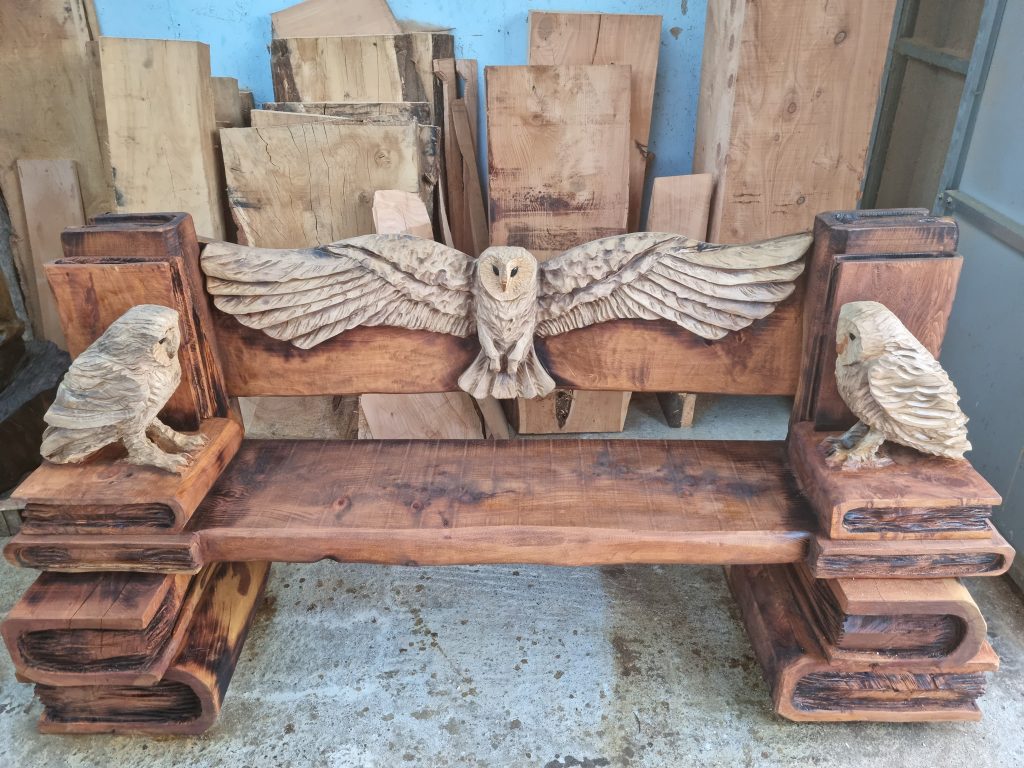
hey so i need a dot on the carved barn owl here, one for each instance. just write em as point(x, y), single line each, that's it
point(114, 390)
point(895, 387)
point(505, 297)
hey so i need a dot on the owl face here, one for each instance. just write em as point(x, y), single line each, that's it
point(860, 341)
point(166, 348)
point(507, 272)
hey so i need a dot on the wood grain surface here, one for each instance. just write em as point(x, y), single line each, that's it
point(917, 496)
point(188, 698)
point(807, 686)
point(632, 40)
point(111, 496)
point(334, 17)
point(383, 112)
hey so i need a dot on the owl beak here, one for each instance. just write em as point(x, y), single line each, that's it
point(841, 346)
point(504, 283)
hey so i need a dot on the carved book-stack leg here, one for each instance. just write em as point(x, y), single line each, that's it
point(131, 653)
point(864, 649)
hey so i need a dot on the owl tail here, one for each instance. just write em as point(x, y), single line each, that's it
point(531, 380)
point(69, 446)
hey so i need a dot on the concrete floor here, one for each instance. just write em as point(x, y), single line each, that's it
point(354, 665)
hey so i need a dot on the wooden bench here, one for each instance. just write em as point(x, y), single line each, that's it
point(847, 584)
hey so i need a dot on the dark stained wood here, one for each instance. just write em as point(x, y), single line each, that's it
point(917, 496)
point(880, 239)
point(111, 496)
point(924, 621)
point(910, 559)
point(188, 698)
point(622, 355)
point(808, 686)
point(121, 260)
point(444, 502)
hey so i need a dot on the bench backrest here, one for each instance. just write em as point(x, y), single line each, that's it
point(905, 259)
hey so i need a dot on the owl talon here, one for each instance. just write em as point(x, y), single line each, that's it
point(189, 444)
point(494, 363)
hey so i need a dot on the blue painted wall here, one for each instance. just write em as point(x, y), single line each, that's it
point(490, 31)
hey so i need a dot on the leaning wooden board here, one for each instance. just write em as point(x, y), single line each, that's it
point(608, 38)
point(788, 95)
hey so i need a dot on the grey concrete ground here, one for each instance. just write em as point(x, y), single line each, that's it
point(352, 665)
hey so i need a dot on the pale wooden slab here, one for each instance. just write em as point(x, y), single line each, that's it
point(334, 17)
point(52, 200)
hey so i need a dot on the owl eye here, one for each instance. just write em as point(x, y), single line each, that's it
point(853, 337)
point(515, 271)
point(164, 340)
point(495, 269)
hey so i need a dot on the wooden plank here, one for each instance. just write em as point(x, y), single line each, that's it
point(119, 261)
point(116, 497)
point(227, 102)
point(43, 63)
point(161, 150)
point(782, 125)
point(558, 177)
point(359, 68)
point(570, 411)
point(52, 200)
point(558, 165)
point(454, 192)
point(189, 697)
point(608, 38)
point(680, 205)
point(334, 17)
point(382, 112)
point(916, 497)
point(471, 185)
point(807, 686)
point(317, 185)
point(903, 258)
point(443, 502)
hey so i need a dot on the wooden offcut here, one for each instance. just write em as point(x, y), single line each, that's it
point(383, 112)
point(788, 96)
point(334, 17)
point(359, 67)
point(227, 103)
point(609, 38)
point(52, 200)
point(157, 123)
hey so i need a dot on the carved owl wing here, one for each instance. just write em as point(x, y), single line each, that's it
point(917, 400)
point(707, 289)
point(97, 392)
point(308, 296)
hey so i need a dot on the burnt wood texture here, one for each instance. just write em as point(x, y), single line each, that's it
point(810, 680)
point(187, 697)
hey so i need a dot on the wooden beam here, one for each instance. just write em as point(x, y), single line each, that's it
point(314, 18)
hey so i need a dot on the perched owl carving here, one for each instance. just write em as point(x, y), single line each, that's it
point(114, 390)
point(895, 387)
point(505, 297)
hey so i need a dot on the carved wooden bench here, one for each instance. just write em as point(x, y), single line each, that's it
point(847, 581)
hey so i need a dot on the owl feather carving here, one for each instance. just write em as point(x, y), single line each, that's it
point(114, 390)
point(506, 298)
point(896, 389)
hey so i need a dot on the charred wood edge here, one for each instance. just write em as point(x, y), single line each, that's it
point(73, 554)
point(916, 519)
point(949, 564)
point(188, 699)
point(807, 686)
point(939, 634)
point(39, 518)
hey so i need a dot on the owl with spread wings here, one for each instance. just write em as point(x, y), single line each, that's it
point(505, 297)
